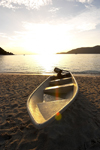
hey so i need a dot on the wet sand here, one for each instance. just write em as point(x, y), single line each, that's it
point(79, 128)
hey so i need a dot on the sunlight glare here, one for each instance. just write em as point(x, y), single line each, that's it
point(47, 62)
point(45, 38)
point(58, 116)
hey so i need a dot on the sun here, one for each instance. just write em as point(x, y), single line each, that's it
point(45, 39)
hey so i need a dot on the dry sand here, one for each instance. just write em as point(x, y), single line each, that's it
point(79, 128)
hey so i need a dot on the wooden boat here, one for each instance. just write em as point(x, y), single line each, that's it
point(52, 96)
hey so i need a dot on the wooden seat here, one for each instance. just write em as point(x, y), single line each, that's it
point(60, 89)
point(61, 81)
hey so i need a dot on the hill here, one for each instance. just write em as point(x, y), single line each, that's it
point(84, 50)
point(3, 52)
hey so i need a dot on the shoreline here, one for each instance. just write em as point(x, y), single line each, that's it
point(79, 128)
point(75, 74)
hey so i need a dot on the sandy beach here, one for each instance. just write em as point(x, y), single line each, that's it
point(79, 128)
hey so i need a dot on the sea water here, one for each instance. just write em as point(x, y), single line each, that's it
point(45, 64)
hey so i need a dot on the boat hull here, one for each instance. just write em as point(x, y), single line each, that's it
point(51, 97)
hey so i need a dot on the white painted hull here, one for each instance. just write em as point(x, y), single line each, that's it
point(51, 97)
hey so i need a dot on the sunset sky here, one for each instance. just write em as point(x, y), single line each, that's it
point(48, 26)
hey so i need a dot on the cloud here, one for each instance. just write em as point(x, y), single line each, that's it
point(85, 1)
point(29, 4)
point(33, 4)
point(4, 35)
point(54, 9)
point(82, 1)
point(87, 20)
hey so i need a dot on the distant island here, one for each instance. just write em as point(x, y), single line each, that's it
point(84, 50)
point(3, 52)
